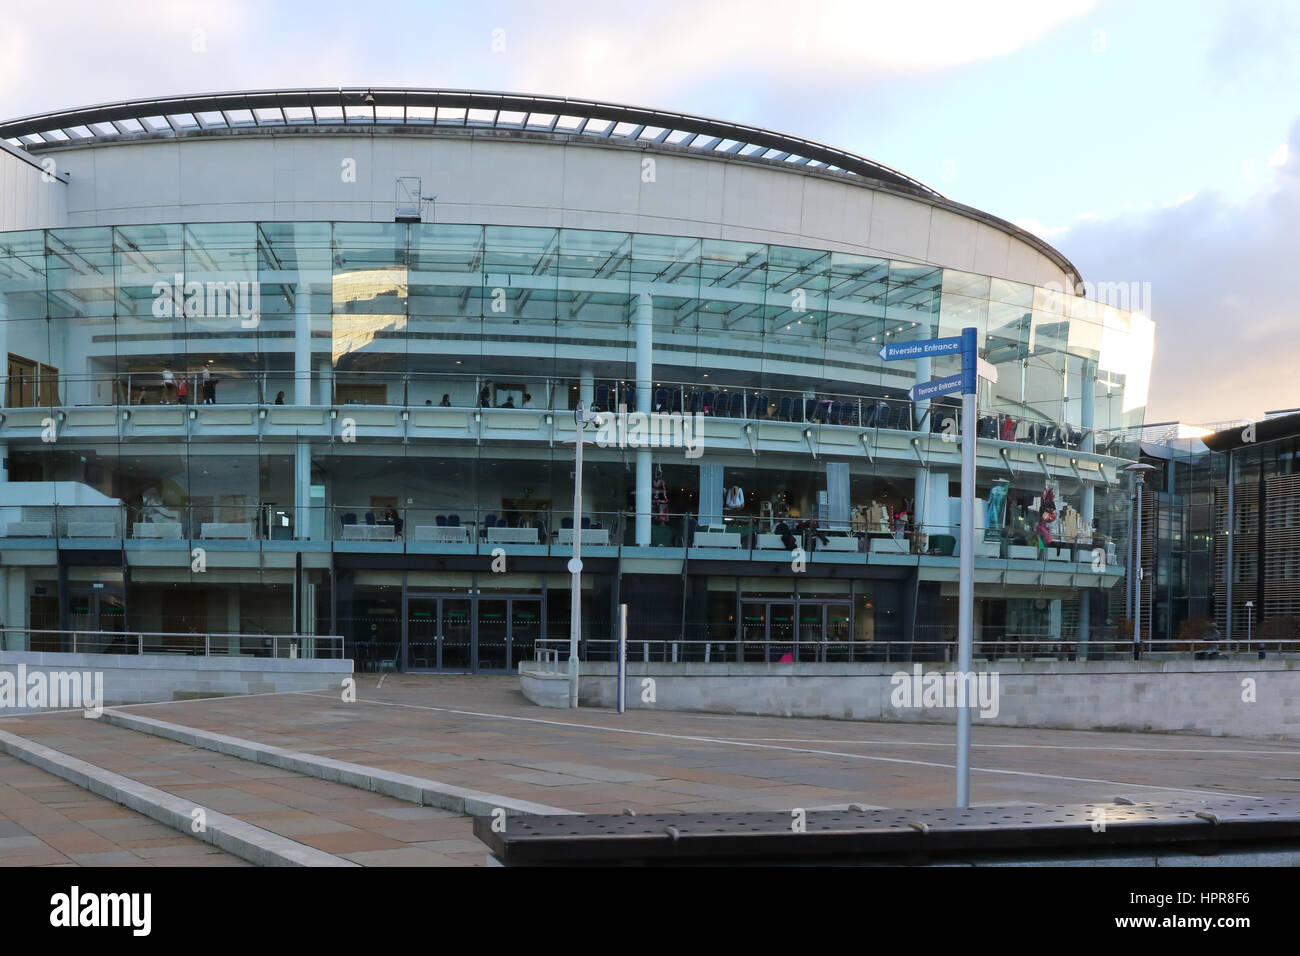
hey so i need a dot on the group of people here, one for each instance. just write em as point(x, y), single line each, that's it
point(176, 390)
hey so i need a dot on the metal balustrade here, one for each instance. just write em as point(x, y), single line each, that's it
point(283, 646)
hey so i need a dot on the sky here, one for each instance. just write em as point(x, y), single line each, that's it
point(1151, 141)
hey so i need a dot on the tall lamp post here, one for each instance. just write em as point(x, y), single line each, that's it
point(1139, 470)
point(582, 417)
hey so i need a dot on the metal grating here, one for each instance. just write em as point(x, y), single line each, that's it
point(889, 835)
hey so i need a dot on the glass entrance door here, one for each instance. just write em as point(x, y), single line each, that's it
point(92, 611)
point(457, 634)
point(493, 634)
point(422, 643)
point(471, 634)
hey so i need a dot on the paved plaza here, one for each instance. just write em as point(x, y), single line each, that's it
point(479, 733)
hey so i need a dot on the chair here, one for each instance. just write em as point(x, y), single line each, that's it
point(440, 520)
point(370, 518)
point(602, 398)
point(349, 518)
point(738, 405)
point(761, 407)
point(903, 421)
point(785, 409)
point(453, 521)
point(834, 412)
point(489, 521)
point(542, 534)
point(586, 523)
point(566, 523)
point(676, 401)
point(869, 416)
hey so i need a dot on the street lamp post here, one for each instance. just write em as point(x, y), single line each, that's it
point(582, 417)
point(1139, 470)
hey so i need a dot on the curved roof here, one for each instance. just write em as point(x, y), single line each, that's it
point(357, 107)
point(400, 110)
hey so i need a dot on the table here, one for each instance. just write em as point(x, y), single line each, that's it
point(237, 530)
point(594, 536)
point(369, 532)
point(441, 534)
point(716, 539)
point(29, 529)
point(156, 529)
point(499, 535)
point(92, 529)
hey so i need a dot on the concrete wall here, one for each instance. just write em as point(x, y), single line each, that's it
point(526, 182)
point(1181, 696)
point(131, 679)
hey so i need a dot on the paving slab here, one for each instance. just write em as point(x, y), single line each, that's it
point(480, 733)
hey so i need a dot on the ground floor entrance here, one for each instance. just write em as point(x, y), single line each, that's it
point(469, 634)
point(776, 631)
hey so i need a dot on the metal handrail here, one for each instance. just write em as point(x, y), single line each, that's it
point(133, 642)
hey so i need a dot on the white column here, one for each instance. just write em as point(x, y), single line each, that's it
point(302, 490)
point(586, 387)
point(644, 385)
point(302, 344)
point(232, 619)
point(920, 477)
point(1087, 503)
point(327, 381)
point(4, 391)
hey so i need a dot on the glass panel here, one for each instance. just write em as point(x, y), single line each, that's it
point(421, 633)
point(457, 634)
point(525, 629)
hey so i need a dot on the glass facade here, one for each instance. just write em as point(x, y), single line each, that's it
point(147, 367)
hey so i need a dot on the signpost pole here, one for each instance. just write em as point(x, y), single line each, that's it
point(575, 563)
point(966, 566)
point(972, 367)
point(622, 658)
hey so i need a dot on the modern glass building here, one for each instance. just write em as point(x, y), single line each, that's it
point(307, 362)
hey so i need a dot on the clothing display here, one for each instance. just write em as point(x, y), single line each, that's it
point(995, 511)
point(735, 497)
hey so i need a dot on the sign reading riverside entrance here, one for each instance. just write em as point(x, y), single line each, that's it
point(925, 349)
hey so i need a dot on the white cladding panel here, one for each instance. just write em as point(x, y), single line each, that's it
point(525, 183)
point(26, 200)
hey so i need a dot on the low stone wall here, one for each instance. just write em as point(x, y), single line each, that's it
point(134, 679)
point(545, 688)
point(1242, 698)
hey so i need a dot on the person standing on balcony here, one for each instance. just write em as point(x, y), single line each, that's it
point(209, 383)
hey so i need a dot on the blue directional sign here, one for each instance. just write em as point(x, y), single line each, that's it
point(926, 348)
point(935, 387)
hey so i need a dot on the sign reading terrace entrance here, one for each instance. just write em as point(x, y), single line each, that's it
point(923, 349)
point(936, 386)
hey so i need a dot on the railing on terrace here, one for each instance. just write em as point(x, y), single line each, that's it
point(285, 646)
point(553, 653)
point(455, 529)
point(413, 391)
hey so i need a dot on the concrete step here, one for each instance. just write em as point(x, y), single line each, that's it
point(48, 821)
point(266, 814)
